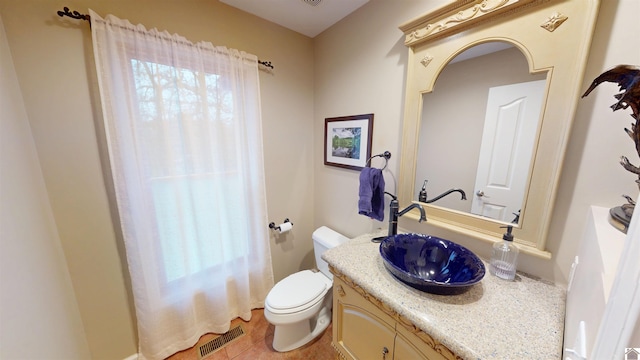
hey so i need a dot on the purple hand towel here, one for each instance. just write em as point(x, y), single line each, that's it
point(371, 193)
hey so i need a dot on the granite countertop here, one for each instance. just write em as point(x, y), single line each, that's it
point(495, 319)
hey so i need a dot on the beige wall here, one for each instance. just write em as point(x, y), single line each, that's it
point(53, 61)
point(39, 315)
point(360, 65)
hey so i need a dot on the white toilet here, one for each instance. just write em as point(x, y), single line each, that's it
point(300, 305)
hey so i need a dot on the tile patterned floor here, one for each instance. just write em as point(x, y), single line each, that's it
point(256, 344)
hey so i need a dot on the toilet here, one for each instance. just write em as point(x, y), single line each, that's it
point(299, 306)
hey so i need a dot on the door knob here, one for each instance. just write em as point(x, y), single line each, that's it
point(480, 193)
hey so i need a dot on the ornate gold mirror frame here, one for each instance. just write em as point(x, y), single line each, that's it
point(554, 36)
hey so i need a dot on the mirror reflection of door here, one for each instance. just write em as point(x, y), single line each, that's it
point(508, 140)
point(452, 121)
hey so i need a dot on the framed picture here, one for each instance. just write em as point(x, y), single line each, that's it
point(347, 141)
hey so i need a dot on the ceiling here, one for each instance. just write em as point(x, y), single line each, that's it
point(308, 17)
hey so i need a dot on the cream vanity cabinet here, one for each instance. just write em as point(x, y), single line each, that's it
point(364, 328)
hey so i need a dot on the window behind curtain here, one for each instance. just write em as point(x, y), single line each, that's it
point(186, 187)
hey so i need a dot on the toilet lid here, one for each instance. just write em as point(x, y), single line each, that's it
point(296, 290)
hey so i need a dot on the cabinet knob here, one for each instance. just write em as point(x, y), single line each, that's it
point(385, 351)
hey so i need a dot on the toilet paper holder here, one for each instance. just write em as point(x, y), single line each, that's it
point(273, 226)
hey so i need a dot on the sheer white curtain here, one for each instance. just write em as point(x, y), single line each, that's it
point(184, 133)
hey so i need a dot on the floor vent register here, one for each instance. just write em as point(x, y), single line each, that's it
point(218, 343)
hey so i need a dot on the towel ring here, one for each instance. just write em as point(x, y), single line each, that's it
point(386, 155)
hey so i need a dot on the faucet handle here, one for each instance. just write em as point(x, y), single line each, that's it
point(392, 196)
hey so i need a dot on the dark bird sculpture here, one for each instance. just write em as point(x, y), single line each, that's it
point(628, 79)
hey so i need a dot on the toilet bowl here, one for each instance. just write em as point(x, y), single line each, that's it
point(299, 306)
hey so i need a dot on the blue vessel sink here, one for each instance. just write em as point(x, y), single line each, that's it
point(431, 264)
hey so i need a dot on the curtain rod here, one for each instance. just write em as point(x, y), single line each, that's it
point(76, 15)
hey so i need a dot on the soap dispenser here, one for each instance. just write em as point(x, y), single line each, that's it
point(504, 257)
point(422, 196)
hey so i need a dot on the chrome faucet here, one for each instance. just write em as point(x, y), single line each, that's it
point(464, 196)
point(394, 214)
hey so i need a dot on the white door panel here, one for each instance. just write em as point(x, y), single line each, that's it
point(508, 139)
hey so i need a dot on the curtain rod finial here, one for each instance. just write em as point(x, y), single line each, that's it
point(75, 15)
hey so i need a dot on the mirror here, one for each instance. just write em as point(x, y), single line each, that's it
point(549, 41)
point(491, 147)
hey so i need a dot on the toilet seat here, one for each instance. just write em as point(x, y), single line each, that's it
point(297, 292)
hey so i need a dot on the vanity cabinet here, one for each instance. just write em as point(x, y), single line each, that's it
point(365, 328)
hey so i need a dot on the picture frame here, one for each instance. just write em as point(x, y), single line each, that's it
point(347, 141)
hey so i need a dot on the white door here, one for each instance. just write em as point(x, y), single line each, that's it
point(508, 139)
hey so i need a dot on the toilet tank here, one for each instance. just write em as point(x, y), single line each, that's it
point(323, 240)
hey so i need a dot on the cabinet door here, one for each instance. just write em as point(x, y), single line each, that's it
point(364, 336)
point(360, 330)
point(403, 350)
point(409, 346)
